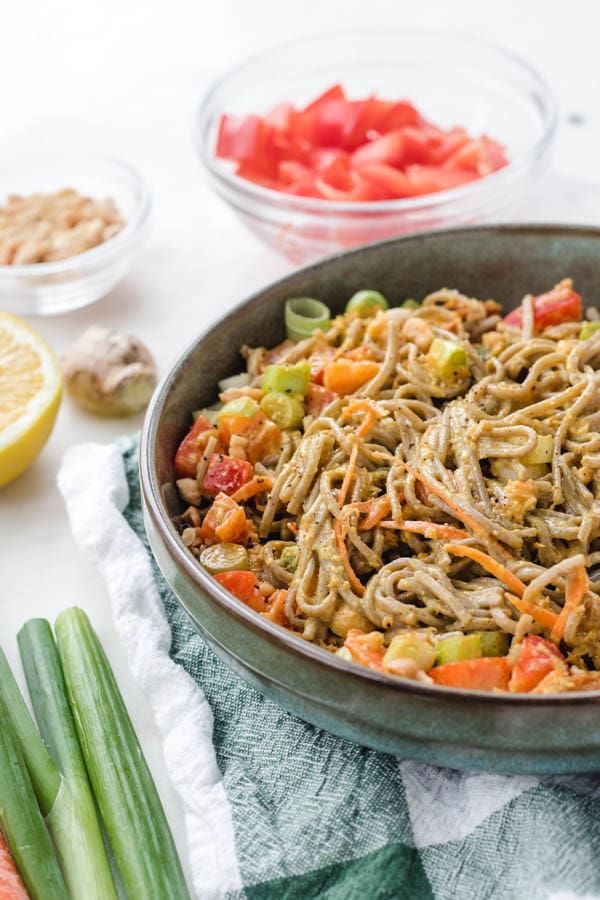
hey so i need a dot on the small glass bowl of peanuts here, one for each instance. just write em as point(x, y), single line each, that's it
point(70, 224)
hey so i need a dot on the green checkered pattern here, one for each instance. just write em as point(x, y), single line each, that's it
point(318, 817)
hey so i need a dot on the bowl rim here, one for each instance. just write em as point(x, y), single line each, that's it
point(102, 252)
point(151, 496)
point(270, 197)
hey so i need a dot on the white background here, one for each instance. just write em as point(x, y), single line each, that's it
point(125, 78)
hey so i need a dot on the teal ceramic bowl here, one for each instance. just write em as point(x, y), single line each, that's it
point(457, 728)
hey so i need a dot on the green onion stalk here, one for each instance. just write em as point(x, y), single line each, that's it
point(56, 767)
point(125, 792)
point(20, 817)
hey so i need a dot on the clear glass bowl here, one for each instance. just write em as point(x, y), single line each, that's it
point(54, 287)
point(453, 80)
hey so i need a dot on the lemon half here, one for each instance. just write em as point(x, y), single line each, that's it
point(30, 392)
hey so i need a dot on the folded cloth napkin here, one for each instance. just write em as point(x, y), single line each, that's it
point(275, 808)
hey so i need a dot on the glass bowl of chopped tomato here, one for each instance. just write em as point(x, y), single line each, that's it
point(335, 141)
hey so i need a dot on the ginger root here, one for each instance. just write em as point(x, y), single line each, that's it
point(110, 373)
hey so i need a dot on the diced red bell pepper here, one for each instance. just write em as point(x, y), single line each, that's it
point(561, 304)
point(486, 674)
point(538, 658)
point(225, 474)
point(189, 452)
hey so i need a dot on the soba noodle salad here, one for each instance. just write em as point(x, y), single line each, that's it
point(415, 489)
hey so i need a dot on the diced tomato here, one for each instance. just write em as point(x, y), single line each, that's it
point(538, 658)
point(281, 117)
point(225, 521)
point(561, 304)
point(480, 156)
point(192, 447)
point(241, 137)
point(486, 674)
point(336, 92)
point(317, 398)
point(353, 188)
point(290, 171)
point(244, 586)
point(225, 474)
point(390, 180)
point(321, 151)
point(389, 149)
point(322, 157)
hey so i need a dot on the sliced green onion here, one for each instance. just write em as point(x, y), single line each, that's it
point(588, 329)
point(72, 820)
point(286, 412)
point(366, 302)
point(411, 646)
point(457, 648)
point(303, 315)
point(541, 453)
point(287, 379)
point(447, 359)
point(493, 643)
point(411, 304)
point(225, 557)
point(241, 406)
point(21, 820)
point(125, 792)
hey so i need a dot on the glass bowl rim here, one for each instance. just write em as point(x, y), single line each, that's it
point(270, 197)
point(103, 253)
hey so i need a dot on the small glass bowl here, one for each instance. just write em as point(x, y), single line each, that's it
point(47, 288)
point(451, 79)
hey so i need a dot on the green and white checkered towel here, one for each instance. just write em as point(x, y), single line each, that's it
point(276, 808)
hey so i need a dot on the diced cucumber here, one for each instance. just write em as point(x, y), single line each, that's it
point(494, 643)
point(457, 648)
point(446, 359)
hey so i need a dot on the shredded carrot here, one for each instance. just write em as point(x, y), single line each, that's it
point(490, 565)
point(348, 475)
point(457, 511)
point(576, 588)
point(432, 530)
point(276, 608)
point(293, 528)
point(375, 511)
point(373, 411)
point(468, 520)
point(258, 485)
point(544, 617)
point(340, 539)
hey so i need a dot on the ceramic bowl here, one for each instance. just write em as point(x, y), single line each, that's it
point(457, 728)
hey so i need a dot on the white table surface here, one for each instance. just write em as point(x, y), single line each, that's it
point(124, 78)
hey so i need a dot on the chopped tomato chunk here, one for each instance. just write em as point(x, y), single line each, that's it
point(226, 474)
point(561, 304)
point(538, 658)
point(323, 149)
point(317, 398)
point(192, 447)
